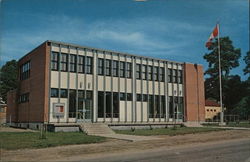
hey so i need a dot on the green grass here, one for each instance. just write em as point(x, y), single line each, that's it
point(243, 124)
point(230, 124)
point(21, 140)
point(167, 131)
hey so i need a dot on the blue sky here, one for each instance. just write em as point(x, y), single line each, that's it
point(169, 29)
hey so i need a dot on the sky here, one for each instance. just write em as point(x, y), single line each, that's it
point(175, 30)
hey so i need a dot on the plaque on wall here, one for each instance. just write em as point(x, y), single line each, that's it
point(58, 110)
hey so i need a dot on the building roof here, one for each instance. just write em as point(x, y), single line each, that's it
point(211, 103)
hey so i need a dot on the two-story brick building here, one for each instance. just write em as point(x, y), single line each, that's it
point(67, 83)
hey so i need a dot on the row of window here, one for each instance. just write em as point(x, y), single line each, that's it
point(116, 68)
point(25, 71)
point(54, 92)
point(175, 76)
point(122, 69)
point(76, 63)
point(211, 110)
point(150, 73)
point(23, 98)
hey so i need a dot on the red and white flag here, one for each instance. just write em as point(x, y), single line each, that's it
point(212, 36)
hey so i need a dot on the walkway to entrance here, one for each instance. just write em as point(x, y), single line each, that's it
point(102, 129)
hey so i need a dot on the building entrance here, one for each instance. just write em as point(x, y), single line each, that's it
point(84, 113)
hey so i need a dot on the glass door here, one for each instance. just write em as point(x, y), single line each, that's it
point(84, 113)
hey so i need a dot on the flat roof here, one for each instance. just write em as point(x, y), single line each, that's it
point(105, 50)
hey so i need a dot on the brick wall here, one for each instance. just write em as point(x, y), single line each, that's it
point(11, 112)
point(37, 86)
point(194, 92)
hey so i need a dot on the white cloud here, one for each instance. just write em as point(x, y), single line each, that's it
point(141, 35)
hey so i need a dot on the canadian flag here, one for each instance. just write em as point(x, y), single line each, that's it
point(212, 36)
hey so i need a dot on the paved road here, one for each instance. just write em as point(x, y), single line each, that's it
point(230, 151)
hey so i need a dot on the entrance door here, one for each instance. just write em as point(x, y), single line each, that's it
point(84, 113)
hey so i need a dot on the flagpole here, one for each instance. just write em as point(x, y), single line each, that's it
point(221, 104)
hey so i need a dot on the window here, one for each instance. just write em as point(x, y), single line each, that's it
point(157, 106)
point(108, 105)
point(25, 71)
point(150, 73)
point(163, 107)
point(24, 98)
point(72, 65)
point(81, 94)
point(122, 69)
point(170, 106)
point(89, 64)
point(138, 97)
point(54, 92)
point(151, 106)
point(72, 103)
point(145, 98)
point(108, 67)
point(129, 97)
point(80, 64)
point(170, 80)
point(162, 74)
point(180, 76)
point(89, 95)
point(122, 97)
point(115, 68)
point(64, 62)
point(138, 71)
point(156, 73)
point(115, 105)
point(144, 72)
point(64, 93)
point(129, 70)
point(100, 104)
point(100, 66)
point(54, 60)
point(174, 76)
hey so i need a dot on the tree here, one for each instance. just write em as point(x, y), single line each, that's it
point(8, 78)
point(229, 60)
point(247, 61)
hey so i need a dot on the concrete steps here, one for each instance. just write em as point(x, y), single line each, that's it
point(96, 129)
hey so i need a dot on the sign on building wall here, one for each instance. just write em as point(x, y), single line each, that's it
point(58, 109)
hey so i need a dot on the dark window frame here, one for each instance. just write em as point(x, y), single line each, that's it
point(72, 63)
point(100, 66)
point(64, 62)
point(55, 61)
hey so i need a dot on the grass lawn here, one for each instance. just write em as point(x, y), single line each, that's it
point(230, 124)
point(21, 140)
point(167, 131)
point(243, 124)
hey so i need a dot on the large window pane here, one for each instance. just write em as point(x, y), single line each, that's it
point(122, 69)
point(64, 62)
point(64, 93)
point(54, 92)
point(138, 71)
point(100, 66)
point(108, 67)
point(80, 64)
point(115, 68)
point(89, 65)
point(108, 104)
point(115, 105)
point(72, 63)
point(100, 104)
point(72, 103)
